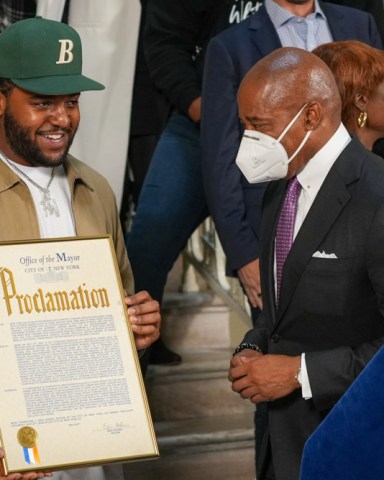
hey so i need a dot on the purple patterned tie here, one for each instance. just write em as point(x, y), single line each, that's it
point(285, 229)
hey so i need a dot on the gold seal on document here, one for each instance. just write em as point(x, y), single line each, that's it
point(27, 437)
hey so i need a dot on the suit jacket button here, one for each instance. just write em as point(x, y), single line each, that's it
point(275, 338)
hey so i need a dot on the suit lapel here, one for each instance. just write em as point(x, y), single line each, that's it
point(263, 34)
point(336, 22)
point(329, 203)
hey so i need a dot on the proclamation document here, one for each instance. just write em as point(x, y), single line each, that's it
point(71, 390)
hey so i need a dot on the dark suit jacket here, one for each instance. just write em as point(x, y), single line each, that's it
point(331, 309)
point(374, 7)
point(234, 203)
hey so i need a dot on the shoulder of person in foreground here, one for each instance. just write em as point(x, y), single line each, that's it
point(81, 170)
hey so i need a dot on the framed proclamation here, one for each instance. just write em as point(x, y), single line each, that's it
point(71, 391)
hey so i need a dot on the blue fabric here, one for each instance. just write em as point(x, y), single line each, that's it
point(349, 443)
point(171, 205)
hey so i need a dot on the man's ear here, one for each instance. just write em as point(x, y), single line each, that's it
point(312, 115)
point(3, 103)
point(360, 101)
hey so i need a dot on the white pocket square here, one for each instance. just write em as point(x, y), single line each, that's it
point(324, 255)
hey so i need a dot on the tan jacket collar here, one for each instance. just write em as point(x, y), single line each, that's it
point(74, 169)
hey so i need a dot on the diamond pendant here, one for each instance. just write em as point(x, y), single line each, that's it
point(49, 204)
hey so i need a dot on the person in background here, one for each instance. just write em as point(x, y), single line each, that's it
point(44, 191)
point(359, 73)
point(321, 261)
point(172, 201)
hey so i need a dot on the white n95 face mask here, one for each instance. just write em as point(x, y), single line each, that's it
point(262, 158)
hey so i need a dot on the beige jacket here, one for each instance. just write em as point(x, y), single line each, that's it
point(93, 203)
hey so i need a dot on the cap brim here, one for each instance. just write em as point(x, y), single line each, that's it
point(57, 85)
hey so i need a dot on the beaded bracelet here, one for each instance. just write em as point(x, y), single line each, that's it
point(251, 346)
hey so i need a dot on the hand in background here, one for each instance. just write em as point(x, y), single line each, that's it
point(144, 314)
point(249, 276)
point(194, 110)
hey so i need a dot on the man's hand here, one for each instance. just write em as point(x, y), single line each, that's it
point(194, 110)
point(249, 276)
point(262, 378)
point(25, 476)
point(144, 314)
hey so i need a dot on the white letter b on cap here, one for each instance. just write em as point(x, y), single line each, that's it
point(66, 55)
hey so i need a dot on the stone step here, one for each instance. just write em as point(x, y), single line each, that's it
point(198, 387)
point(204, 430)
point(195, 320)
point(215, 447)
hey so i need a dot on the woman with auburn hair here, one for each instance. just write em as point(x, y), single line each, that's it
point(359, 72)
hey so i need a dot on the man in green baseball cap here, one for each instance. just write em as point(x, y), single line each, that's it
point(44, 191)
point(40, 58)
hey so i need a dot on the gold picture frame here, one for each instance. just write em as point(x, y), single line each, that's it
point(71, 389)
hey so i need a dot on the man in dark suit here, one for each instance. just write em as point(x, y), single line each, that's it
point(324, 320)
point(233, 203)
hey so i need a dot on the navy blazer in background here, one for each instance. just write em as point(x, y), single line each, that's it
point(348, 444)
point(234, 204)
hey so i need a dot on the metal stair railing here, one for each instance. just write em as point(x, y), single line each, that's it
point(204, 254)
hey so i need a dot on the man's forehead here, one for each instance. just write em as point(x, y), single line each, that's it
point(39, 96)
point(258, 93)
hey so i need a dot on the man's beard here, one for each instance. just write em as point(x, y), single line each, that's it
point(23, 146)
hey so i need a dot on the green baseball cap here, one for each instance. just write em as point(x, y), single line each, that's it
point(44, 56)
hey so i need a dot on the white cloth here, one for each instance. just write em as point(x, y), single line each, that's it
point(109, 32)
point(52, 9)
